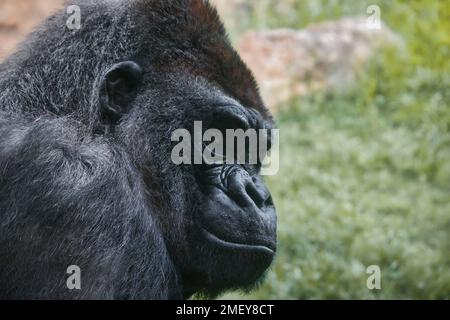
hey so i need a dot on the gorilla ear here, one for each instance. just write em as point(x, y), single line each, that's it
point(118, 89)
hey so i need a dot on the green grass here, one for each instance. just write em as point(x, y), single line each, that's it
point(365, 174)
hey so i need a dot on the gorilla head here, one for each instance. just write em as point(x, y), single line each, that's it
point(135, 72)
point(219, 222)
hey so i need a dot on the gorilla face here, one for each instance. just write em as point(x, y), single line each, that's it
point(233, 236)
point(218, 220)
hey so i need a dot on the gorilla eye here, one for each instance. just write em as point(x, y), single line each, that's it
point(229, 120)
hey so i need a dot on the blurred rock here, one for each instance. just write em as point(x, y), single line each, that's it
point(236, 15)
point(18, 18)
point(289, 63)
point(226, 7)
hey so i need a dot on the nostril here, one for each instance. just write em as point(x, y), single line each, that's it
point(269, 201)
point(255, 194)
point(244, 189)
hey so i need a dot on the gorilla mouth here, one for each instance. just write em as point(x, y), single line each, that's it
point(238, 213)
point(239, 246)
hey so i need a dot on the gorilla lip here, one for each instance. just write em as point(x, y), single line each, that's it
point(239, 246)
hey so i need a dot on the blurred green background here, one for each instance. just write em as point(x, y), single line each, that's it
point(365, 173)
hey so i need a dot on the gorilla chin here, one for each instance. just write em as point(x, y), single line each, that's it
point(239, 214)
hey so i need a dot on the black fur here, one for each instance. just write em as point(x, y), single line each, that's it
point(80, 188)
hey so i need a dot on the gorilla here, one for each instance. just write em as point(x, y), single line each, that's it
point(86, 177)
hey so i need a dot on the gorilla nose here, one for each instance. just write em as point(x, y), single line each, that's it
point(245, 191)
